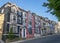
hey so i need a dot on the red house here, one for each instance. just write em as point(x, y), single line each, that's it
point(29, 25)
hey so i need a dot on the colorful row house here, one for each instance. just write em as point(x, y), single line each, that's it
point(21, 21)
point(24, 24)
point(37, 25)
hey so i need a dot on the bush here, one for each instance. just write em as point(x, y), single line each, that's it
point(10, 34)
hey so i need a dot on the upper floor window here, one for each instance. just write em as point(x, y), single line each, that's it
point(2, 11)
point(24, 14)
point(19, 13)
point(30, 22)
point(44, 24)
point(14, 20)
point(25, 20)
point(14, 17)
point(13, 9)
point(19, 20)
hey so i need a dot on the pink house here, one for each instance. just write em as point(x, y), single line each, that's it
point(29, 25)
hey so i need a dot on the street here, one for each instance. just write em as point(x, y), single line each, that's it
point(48, 39)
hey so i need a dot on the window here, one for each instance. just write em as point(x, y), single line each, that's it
point(44, 28)
point(30, 22)
point(25, 15)
point(18, 27)
point(2, 11)
point(14, 17)
point(15, 30)
point(25, 20)
point(15, 11)
point(19, 20)
point(30, 30)
point(37, 30)
point(44, 24)
point(12, 9)
point(19, 13)
point(8, 17)
point(7, 27)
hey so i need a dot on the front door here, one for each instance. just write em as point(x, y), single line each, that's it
point(24, 33)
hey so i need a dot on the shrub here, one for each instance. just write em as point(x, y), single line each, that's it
point(10, 34)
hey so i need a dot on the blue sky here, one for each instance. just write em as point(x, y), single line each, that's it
point(32, 5)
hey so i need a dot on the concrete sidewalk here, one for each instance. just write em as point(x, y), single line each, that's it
point(31, 39)
point(1, 41)
point(24, 40)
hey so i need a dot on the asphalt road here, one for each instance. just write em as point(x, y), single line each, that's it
point(48, 39)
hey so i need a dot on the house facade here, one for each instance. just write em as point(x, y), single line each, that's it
point(13, 19)
point(21, 21)
point(24, 24)
point(58, 27)
point(37, 25)
point(30, 25)
point(47, 25)
point(1, 25)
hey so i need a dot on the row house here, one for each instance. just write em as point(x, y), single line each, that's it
point(30, 25)
point(12, 20)
point(57, 30)
point(20, 21)
point(47, 25)
point(1, 24)
point(24, 24)
point(43, 25)
point(37, 29)
point(53, 26)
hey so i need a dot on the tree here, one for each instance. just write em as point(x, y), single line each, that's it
point(53, 7)
point(10, 34)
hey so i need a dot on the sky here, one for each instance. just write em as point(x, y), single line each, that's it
point(32, 5)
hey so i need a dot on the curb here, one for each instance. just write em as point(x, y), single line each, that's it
point(23, 40)
point(32, 38)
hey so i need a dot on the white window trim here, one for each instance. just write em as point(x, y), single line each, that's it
point(2, 11)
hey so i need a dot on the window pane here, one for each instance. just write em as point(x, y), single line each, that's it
point(12, 9)
point(30, 30)
point(19, 13)
point(19, 20)
point(14, 17)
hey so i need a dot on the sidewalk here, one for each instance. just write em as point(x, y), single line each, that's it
point(1, 41)
point(31, 39)
point(24, 40)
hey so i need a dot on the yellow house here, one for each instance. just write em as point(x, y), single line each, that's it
point(1, 25)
